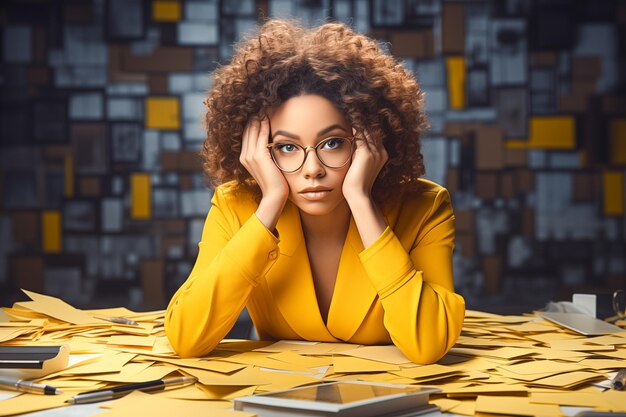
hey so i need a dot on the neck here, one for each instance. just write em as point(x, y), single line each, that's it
point(332, 225)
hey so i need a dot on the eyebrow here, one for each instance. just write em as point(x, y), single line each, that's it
point(320, 133)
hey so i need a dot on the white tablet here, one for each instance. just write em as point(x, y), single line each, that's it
point(581, 323)
point(345, 398)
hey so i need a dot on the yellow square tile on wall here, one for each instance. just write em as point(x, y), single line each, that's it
point(166, 11)
point(456, 82)
point(141, 193)
point(617, 135)
point(552, 132)
point(51, 231)
point(163, 113)
point(613, 187)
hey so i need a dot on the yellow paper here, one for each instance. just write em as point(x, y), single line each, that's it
point(111, 362)
point(426, 371)
point(553, 336)
point(141, 404)
point(9, 333)
point(283, 380)
point(191, 392)
point(147, 341)
point(58, 309)
point(502, 319)
point(127, 372)
point(238, 345)
point(143, 329)
point(536, 327)
point(386, 354)
point(515, 406)
point(495, 356)
point(598, 364)
point(615, 399)
point(245, 377)
point(574, 399)
point(502, 353)
point(569, 379)
point(346, 364)
point(564, 355)
point(306, 361)
point(111, 312)
point(217, 392)
point(445, 404)
point(152, 373)
point(484, 389)
point(609, 339)
point(209, 365)
point(261, 360)
point(27, 403)
point(369, 377)
point(465, 408)
point(579, 345)
point(542, 367)
point(480, 342)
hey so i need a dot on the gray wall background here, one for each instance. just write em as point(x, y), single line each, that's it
point(539, 215)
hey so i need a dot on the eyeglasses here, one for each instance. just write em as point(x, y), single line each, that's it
point(333, 152)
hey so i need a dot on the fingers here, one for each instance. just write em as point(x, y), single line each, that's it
point(376, 150)
point(253, 135)
point(264, 133)
point(254, 140)
point(245, 142)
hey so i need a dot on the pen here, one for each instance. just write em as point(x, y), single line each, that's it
point(120, 391)
point(28, 386)
point(120, 320)
point(619, 382)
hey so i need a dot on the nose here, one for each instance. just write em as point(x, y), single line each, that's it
point(312, 167)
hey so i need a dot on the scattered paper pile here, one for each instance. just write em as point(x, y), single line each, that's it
point(501, 365)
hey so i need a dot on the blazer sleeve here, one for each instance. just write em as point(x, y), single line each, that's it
point(422, 313)
point(231, 258)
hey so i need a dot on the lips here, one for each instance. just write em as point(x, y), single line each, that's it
point(314, 190)
point(315, 193)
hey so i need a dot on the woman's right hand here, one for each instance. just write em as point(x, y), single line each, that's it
point(256, 158)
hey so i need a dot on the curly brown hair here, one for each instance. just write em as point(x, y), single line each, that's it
point(281, 60)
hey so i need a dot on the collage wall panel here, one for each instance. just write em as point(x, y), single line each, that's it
point(101, 122)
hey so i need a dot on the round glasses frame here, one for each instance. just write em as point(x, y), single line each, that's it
point(350, 139)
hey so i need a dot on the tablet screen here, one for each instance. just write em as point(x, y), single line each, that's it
point(341, 392)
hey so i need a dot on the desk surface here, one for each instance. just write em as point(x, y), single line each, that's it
point(511, 365)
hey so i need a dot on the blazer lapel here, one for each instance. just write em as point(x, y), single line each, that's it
point(354, 293)
point(291, 283)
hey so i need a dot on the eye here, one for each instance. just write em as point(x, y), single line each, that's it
point(333, 143)
point(286, 147)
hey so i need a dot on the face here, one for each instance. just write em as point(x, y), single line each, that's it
point(306, 120)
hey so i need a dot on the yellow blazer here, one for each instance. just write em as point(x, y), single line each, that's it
point(399, 290)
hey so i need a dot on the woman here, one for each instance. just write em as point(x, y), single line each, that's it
point(319, 222)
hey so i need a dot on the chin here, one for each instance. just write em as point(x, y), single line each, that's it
point(316, 208)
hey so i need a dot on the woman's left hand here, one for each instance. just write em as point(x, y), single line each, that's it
point(367, 161)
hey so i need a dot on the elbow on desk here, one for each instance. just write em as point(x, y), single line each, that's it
point(186, 346)
point(186, 342)
point(425, 356)
point(432, 348)
point(435, 335)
